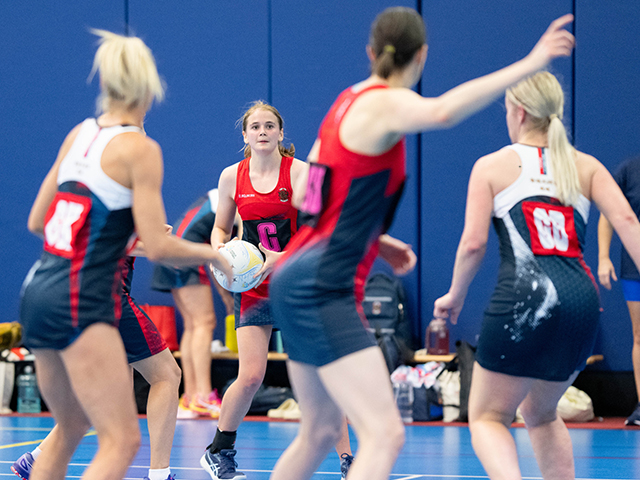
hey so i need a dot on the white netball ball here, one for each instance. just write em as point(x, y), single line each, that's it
point(246, 260)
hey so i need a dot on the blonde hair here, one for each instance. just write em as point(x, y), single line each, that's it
point(127, 70)
point(262, 105)
point(542, 98)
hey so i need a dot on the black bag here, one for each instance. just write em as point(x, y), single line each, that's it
point(426, 405)
point(384, 306)
point(265, 398)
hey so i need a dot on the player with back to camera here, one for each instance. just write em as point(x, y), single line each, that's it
point(105, 181)
point(147, 353)
point(359, 161)
point(627, 176)
point(542, 320)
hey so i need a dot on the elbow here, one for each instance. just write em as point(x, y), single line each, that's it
point(35, 227)
point(473, 247)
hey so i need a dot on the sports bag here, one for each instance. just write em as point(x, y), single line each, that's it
point(384, 306)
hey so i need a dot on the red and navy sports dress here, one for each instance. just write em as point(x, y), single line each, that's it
point(317, 291)
point(267, 218)
point(194, 225)
point(139, 334)
point(543, 316)
point(78, 280)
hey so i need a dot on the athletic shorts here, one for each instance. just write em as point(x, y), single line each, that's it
point(166, 279)
point(631, 290)
point(139, 334)
point(318, 325)
point(252, 309)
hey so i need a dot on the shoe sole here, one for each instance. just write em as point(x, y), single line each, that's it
point(16, 473)
point(207, 468)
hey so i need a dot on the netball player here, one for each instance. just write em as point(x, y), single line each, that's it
point(354, 184)
point(627, 176)
point(105, 181)
point(541, 324)
point(191, 291)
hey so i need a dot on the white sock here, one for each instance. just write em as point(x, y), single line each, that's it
point(159, 473)
point(36, 452)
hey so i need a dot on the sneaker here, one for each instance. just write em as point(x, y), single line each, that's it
point(22, 467)
point(292, 413)
point(184, 412)
point(209, 407)
point(345, 464)
point(221, 465)
point(634, 419)
point(170, 477)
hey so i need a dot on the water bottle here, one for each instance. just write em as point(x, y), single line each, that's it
point(403, 393)
point(437, 341)
point(28, 394)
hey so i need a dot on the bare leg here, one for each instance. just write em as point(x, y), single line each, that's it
point(634, 313)
point(549, 435)
point(59, 445)
point(163, 374)
point(98, 374)
point(493, 400)
point(195, 304)
point(253, 346)
point(344, 445)
point(360, 382)
point(320, 426)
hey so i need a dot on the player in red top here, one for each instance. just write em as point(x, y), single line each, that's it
point(354, 183)
point(260, 188)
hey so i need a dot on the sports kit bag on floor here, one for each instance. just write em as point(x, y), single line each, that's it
point(384, 306)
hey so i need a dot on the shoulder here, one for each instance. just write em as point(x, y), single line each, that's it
point(135, 145)
point(505, 157)
point(227, 182)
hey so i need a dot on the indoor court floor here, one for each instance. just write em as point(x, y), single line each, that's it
point(431, 451)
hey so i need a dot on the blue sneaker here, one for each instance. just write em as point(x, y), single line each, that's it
point(22, 467)
point(345, 465)
point(634, 419)
point(221, 465)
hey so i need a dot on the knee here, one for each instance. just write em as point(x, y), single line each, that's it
point(324, 435)
point(388, 435)
point(250, 381)
point(534, 417)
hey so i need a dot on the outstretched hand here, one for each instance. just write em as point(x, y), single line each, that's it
point(220, 263)
point(555, 42)
point(397, 254)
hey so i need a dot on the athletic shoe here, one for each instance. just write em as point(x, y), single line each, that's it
point(184, 412)
point(209, 407)
point(170, 477)
point(345, 465)
point(634, 419)
point(221, 465)
point(22, 467)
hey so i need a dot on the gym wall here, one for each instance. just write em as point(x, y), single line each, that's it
point(216, 57)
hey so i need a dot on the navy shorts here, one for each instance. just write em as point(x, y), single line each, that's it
point(319, 325)
point(139, 334)
point(166, 279)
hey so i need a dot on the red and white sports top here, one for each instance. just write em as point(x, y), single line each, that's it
point(267, 218)
point(350, 201)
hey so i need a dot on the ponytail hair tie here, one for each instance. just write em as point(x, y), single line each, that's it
point(390, 49)
point(552, 116)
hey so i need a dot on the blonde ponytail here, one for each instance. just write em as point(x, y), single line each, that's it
point(127, 70)
point(542, 98)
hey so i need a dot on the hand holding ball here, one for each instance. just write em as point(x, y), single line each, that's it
point(245, 260)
